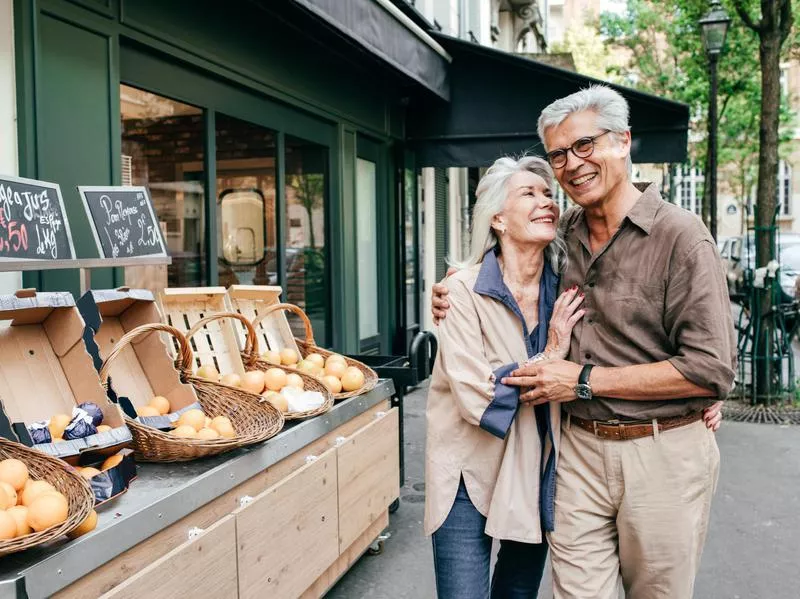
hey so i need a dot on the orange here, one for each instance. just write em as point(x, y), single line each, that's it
point(103, 428)
point(147, 411)
point(14, 472)
point(352, 379)
point(87, 525)
point(335, 358)
point(273, 357)
point(48, 509)
point(185, 432)
point(89, 472)
point(275, 379)
point(295, 380)
point(335, 368)
point(232, 379)
point(57, 425)
point(223, 426)
point(207, 371)
point(11, 492)
point(207, 434)
point(8, 526)
point(160, 403)
point(332, 383)
point(316, 359)
point(5, 500)
point(112, 462)
point(277, 400)
point(34, 489)
point(253, 381)
point(20, 515)
point(289, 356)
point(194, 418)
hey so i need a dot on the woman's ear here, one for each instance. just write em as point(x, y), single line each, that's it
point(498, 224)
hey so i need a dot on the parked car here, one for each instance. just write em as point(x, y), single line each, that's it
point(739, 254)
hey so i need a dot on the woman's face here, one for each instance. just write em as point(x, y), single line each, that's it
point(529, 215)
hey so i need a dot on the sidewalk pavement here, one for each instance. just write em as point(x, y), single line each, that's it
point(753, 544)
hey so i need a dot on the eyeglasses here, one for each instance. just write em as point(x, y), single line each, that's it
point(582, 148)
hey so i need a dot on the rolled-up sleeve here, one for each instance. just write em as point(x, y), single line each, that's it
point(699, 321)
point(480, 397)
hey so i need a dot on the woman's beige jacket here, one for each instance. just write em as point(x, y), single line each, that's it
point(476, 427)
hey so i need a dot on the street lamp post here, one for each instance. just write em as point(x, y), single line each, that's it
point(715, 28)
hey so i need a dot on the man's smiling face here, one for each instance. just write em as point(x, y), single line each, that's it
point(588, 181)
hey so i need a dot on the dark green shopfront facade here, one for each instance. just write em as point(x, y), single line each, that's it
point(271, 147)
point(280, 140)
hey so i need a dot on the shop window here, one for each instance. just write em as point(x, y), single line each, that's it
point(411, 249)
point(246, 217)
point(689, 184)
point(367, 236)
point(307, 274)
point(162, 148)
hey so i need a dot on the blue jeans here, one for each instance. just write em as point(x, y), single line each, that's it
point(462, 552)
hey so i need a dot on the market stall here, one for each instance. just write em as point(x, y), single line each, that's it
point(265, 466)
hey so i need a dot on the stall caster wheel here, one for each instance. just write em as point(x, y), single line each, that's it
point(394, 506)
point(378, 544)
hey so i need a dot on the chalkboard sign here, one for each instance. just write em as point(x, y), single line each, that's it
point(33, 222)
point(123, 222)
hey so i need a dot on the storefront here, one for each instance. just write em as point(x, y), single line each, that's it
point(279, 140)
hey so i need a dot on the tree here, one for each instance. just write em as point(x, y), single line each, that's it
point(772, 31)
point(588, 49)
point(309, 190)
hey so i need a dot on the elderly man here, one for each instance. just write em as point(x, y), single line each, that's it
point(638, 465)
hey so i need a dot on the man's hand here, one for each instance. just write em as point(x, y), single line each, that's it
point(553, 380)
point(712, 416)
point(439, 303)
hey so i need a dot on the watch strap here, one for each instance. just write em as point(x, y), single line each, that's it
point(583, 378)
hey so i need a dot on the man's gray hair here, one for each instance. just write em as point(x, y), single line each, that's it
point(491, 195)
point(609, 105)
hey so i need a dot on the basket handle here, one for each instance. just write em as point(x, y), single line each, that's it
point(295, 310)
point(251, 341)
point(183, 362)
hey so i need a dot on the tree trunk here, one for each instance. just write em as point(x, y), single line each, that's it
point(766, 195)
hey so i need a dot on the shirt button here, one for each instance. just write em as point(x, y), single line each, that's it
point(590, 321)
point(587, 355)
point(591, 284)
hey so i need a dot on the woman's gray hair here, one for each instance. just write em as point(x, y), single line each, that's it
point(491, 195)
point(609, 105)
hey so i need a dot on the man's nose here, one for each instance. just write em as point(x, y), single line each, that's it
point(573, 162)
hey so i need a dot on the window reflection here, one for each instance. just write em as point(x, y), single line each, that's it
point(246, 222)
point(162, 149)
point(306, 251)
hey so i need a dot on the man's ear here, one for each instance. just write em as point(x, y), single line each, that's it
point(624, 143)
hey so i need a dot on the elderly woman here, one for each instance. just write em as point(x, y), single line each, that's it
point(491, 461)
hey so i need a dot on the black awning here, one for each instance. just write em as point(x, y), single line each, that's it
point(385, 32)
point(495, 101)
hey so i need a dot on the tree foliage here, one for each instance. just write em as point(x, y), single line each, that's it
point(662, 42)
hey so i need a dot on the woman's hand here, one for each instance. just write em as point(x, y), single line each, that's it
point(565, 315)
point(712, 416)
point(439, 303)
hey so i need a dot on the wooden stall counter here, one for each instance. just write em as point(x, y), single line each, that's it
point(283, 519)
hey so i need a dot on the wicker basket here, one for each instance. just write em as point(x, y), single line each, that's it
point(253, 421)
point(74, 487)
point(307, 346)
point(253, 362)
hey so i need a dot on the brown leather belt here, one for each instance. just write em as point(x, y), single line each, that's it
point(625, 431)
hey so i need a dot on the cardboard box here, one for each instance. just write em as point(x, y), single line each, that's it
point(144, 368)
point(274, 331)
point(112, 482)
point(45, 370)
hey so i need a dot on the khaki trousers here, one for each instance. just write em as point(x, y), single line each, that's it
point(632, 510)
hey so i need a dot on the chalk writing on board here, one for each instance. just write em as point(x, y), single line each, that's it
point(32, 223)
point(123, 221)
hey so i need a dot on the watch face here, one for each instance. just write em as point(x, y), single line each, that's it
point(583, 391)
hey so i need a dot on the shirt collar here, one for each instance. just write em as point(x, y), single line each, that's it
point(643, 212)
point(490, 282)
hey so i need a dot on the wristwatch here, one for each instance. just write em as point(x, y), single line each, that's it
point(583, 390)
